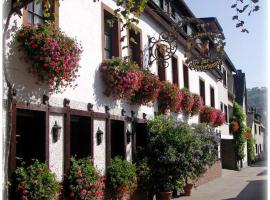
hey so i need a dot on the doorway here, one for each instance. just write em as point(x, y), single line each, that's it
point(30, 135)
point(80, 136)
point(118, 147)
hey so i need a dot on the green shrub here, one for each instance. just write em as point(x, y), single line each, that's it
point(83, 180)
point(35, 182)
point(239, 136)
point(250, 149)
point(121, 178)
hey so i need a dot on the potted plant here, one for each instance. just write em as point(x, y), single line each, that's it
point(168, 97)
point(208, 115)
point(83, 181)
point(55, 57)
point(148, 91)
point(121, 179)
point(121, 78)
point(166, 154)
point(202, 152)
point(35, 181)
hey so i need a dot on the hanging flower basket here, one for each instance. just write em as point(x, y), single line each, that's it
point(220, 118)
point(197, 105)
point(168, 97)
point(121, 78)
point(187, 101)
point(178, 105)
point(55, 56)
point(208, 115)
point(148, 91)
point(234, 126)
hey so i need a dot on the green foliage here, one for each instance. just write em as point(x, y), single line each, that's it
point(35, 182)
point(121, 178)
point(239, 136)
point(176, 151)
point(250, 149)
point(83, 181)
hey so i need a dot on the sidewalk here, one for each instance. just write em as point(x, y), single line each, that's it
point(248, 184)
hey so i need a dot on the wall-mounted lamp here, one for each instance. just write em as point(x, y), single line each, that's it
point(99, 136)
point(107, 109)
point(90, 107)
point(144, 115)
point(123, 112)
point(129, 135)
point(56, 131)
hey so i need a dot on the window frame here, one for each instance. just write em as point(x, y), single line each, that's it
point(161, 71)
point(212, 98)
point(117, 48)
point(186, 75)
point(138, 59)
point(54, 17)
point(203, 97)
point(226, 113)
point(175, 72)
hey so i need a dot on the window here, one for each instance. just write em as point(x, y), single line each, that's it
point(224, 77)
point(186, 76)
point(111, 34)
point(202, 90)
point(256, 148)
point(161, 67)
point(226, 113)
point(221, 106)
point(212, 96)
point(260, 148)
point(135, 46)
point(259, 130)
point(33, 13)
point(175, 71)
point(255, 128)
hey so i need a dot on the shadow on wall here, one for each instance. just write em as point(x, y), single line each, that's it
point(255, 190)
point(19, 77)
point(100, 98)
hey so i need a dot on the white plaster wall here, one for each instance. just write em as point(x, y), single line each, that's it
point(56, 149)
point(129, 145)
point(259, 138)
point(99, 155)
point(82, 20)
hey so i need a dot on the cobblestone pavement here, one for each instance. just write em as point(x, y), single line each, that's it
point(248, 184)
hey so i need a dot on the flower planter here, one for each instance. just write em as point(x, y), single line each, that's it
point(187, 189)
point(165, 196)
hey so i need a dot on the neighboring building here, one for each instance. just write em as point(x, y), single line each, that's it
point(254, 121)
point(226, 96)
point(241, 99)
point(83, 111)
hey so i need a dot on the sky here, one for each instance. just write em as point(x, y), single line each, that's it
point(246, 51)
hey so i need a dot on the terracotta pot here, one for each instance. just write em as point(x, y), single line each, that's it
point(165, 195)
point(187, 189)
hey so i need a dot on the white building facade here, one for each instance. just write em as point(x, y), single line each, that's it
point(82, 112)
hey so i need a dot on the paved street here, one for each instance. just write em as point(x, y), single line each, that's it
point(248, 184)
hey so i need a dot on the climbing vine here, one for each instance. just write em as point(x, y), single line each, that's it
point(250, 146)
point(239, 136)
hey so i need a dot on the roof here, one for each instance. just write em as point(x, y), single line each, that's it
point(240, 87)
point(229, 62)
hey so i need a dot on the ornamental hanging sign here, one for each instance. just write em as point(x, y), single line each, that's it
point(162, 49)
point(205, 47)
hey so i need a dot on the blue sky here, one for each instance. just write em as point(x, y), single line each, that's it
point(246, 51)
